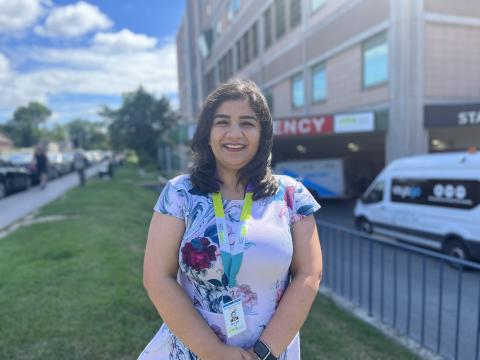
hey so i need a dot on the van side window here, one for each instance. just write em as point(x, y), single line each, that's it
point(375, 194)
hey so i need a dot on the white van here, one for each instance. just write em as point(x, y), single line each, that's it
point(431, 200)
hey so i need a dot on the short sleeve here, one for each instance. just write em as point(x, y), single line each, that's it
point(304, 204)
point(171, 201)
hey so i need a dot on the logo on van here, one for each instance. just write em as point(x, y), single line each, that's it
point(412, 192)
point(450, 191)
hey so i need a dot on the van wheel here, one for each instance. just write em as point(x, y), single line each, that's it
point(457, 249)
point(365, 226)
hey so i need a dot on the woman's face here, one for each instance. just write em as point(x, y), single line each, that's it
point(234, 135)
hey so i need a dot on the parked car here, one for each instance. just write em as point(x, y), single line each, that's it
point(69, 159)
point(432, 200)
point(13, 179)
point(27, 161)
point(56, 159)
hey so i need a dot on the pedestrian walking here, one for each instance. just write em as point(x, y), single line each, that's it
point(80, 165)
point(233, 260)
point(41, 163)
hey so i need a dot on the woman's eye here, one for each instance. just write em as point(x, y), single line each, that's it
point(248, 124)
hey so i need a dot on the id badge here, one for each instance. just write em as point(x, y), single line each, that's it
point(234, 317)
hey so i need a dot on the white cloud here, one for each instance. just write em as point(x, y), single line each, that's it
point(18, 15)
point(4, 66)
point(124, 40)
point(89, 71)
point(73, 21)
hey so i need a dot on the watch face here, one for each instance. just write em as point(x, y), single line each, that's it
point(261, 350)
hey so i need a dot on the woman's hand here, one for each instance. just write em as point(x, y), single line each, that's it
point(232, 353)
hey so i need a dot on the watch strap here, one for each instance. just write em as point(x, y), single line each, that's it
point(260, 345)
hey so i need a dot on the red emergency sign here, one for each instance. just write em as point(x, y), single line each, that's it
point(311, 125)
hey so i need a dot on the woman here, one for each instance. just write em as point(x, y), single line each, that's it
point(262, 273)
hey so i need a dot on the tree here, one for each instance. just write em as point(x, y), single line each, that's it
point(24, 128)
point(57, 134)
point(87, 134)
point(140, 123)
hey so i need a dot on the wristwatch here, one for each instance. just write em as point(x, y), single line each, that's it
point(262, 351)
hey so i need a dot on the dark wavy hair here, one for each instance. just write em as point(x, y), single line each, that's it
point(258, 171)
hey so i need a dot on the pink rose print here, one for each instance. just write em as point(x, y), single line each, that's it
point(249, 298)
point(198, 253)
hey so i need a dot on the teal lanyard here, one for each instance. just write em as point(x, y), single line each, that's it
point(231, 258)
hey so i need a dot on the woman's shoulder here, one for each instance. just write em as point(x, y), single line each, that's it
point(181, 181)
point(285, 180)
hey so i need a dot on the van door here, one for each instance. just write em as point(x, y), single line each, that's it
point(374, 204)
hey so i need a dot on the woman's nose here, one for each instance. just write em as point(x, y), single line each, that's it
point(235, 130)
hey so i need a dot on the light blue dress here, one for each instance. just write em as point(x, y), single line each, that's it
point(264, 274)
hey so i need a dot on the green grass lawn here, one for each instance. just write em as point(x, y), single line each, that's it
point(72, 289)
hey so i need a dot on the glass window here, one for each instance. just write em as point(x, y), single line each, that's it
point(375, 61)
point(239, 54)
point(375, 194)
point(317, 4)
point(254, 40)
point(319, 83)
point(279, 18)
point(295, 12)
point(246, 51)
point(298, 91)
point(267, 23)
point(233, 8)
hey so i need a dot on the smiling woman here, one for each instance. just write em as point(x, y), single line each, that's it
point(233, 260)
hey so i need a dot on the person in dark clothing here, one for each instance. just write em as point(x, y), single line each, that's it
point(41, 162)
point(80, 165)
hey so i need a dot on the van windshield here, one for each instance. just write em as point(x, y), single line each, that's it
point(375, 194)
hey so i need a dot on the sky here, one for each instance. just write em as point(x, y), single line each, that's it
point(76, 56)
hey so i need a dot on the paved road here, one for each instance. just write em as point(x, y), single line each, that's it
point(17, 206)
point(346, 272)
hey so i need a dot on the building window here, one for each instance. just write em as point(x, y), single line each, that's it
point(229, 64)
point(267, 23)
point(317, 4)
point(269, 97)
point(375, 61)
point(254, 40)
point(233, 8)
point(298, 91)
point(210, 80)
point(245, 49)
point(238, 48)
point(295, 12)
point(279, 18)
point(218, 28)
point(319, 83)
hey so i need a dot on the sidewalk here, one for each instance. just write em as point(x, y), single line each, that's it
point(16, 206)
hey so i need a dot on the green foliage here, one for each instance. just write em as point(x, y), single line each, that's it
point(87, 134)
point(57, 134)
point(24, 128)
point(140, 123)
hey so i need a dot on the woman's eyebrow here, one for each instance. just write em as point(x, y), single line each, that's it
point(243, 117)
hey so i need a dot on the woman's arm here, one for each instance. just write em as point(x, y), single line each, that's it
point(170, 300)
point(297, 300)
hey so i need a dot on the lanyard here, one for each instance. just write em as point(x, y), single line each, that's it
point(231, 258)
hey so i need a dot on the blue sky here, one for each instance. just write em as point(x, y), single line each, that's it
point(75, 56)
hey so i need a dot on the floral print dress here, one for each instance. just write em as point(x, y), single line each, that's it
point(263, 276)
